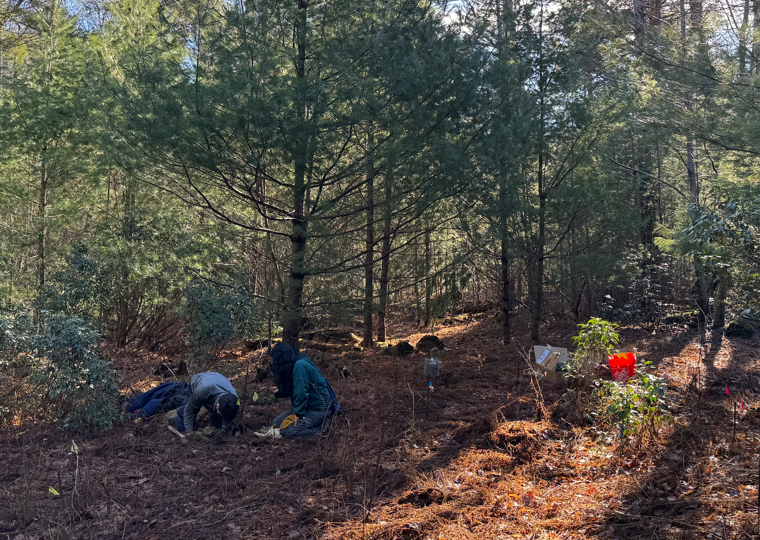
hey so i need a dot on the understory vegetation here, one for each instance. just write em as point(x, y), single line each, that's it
point(53, 371)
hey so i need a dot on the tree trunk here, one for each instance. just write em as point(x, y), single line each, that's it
point(655, 12)
point(639, 20)
point(369, 287)
point(695, 14)
point(428, 279)
point(702, 291)
point(691, 167)
point(538, 286)
point(293, 314)
point(506, 297)
point(519, 288)
point(270, 263)
point(648, 299)
point(743, 37)
point(42, 223)
point(416, 280)
point(701, 283)
point(755, 40)
point(385, 256)
point(719, 321)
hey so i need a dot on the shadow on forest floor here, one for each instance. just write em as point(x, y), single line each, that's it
point(135, 481)
point(509, 475)
point(469, 460)
point(703, 480)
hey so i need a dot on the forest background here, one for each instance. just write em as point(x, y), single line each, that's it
point(210, 169)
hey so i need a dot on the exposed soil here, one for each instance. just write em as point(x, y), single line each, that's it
point(475, 458)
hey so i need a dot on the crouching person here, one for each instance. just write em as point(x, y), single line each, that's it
point(214, 392)
point(312, 400)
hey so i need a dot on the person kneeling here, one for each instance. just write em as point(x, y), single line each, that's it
point(214, 392)
point(312, 400)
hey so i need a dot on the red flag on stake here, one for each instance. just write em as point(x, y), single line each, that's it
point(727, 392)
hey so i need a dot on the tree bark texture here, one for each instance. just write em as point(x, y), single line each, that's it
point(506, 296)
point(639, 20)
point(42, 224)
point(293, 314)
point(385, 256)
point(428, 279)
point(369, 288)
point(538, 286)
point(540, 242)
point(755, 56)
point(719, 320)
point(743, 35)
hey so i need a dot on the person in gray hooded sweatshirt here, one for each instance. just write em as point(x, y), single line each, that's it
point(214, 392)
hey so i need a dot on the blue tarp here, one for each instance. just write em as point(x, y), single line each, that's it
point(150, 402)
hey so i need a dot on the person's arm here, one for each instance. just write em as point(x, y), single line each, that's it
point(300, 388)
point(192, 408)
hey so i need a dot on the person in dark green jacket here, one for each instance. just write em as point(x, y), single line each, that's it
point(299, 379)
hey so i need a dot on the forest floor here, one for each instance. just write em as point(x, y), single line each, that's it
point(469, 460)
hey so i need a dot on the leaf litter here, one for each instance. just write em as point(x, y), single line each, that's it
point(469, 460)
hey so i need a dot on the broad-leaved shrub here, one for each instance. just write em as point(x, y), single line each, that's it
point(52, 370)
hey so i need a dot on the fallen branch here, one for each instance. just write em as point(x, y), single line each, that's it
point(174, 430)
point(228, 514)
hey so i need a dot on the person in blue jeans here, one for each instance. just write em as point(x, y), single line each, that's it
point(300, 380)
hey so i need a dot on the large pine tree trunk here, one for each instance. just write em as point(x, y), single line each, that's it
point(701, 284)
point(540, 243)
point(293, 314)
point(385, 256)
point(537, 300)
point(369, 288)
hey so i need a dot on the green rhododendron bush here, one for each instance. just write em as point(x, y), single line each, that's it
point(52, 371)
